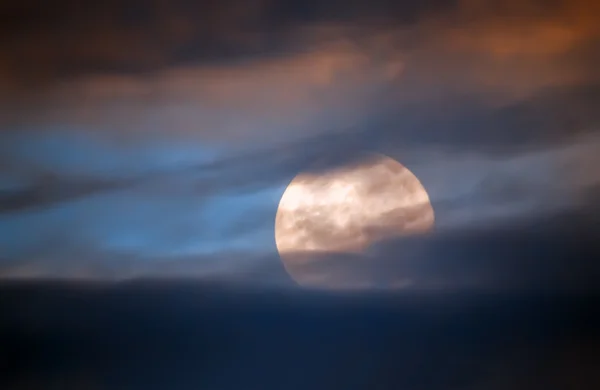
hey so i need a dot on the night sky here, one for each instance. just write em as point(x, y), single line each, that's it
point(145, 145)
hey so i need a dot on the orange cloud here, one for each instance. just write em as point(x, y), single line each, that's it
point(330, 76)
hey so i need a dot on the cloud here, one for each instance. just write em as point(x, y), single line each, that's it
point(253, 103)
point(139, 141)
point(540, 255)
point(230, 204)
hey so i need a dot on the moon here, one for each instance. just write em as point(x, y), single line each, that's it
point(342, 212)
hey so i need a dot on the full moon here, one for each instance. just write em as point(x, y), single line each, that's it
point(343, 212)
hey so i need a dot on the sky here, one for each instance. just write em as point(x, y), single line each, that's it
point(155, 139)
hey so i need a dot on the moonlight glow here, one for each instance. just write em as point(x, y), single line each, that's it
point(348, 209)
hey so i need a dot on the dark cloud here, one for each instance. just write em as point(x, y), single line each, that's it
point(45, 43)
point(548, 254)
point(175, 335)
point(552, 116)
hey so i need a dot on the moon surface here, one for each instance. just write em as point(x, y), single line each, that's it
point(339, 214)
